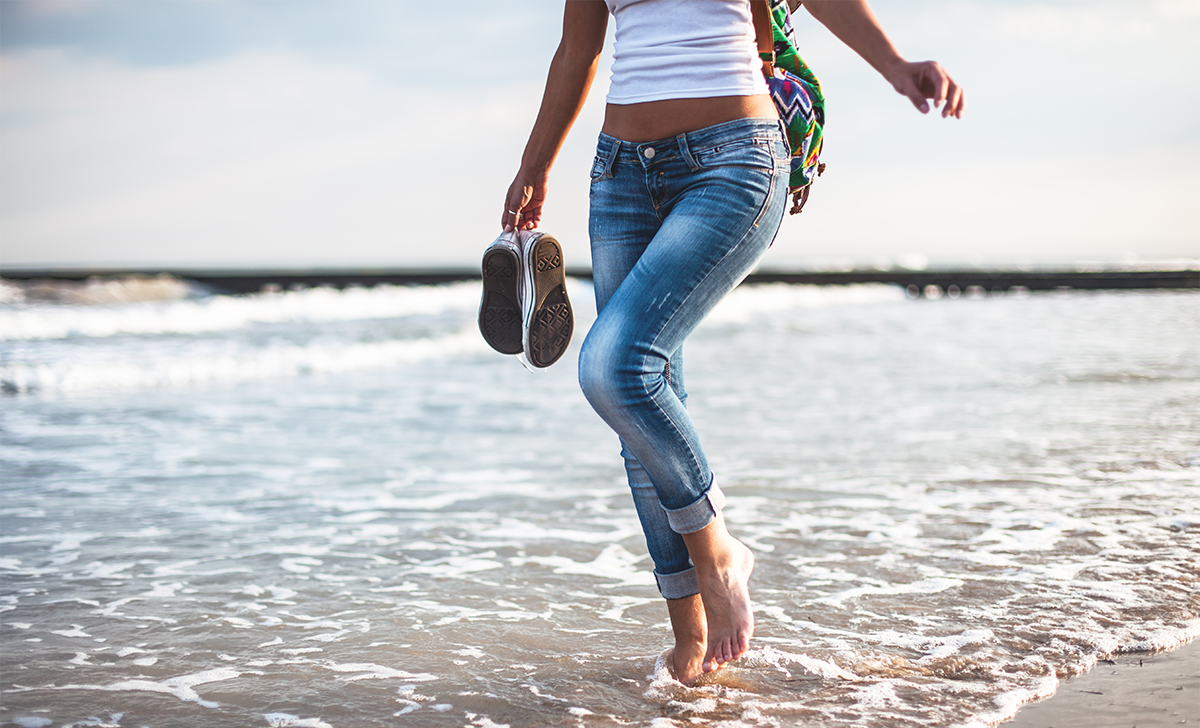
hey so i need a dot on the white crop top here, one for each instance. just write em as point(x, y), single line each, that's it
point(683, 49)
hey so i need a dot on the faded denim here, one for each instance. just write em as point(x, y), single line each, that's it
point(675, 225)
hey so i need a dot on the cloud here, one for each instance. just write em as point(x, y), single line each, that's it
point(354, 134)
point(263, 156)
point(401, 40)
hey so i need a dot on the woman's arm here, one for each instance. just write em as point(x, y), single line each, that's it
point(853, 22)
point(567, 85)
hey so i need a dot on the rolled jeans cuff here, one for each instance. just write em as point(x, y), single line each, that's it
point(678, 585)
point(690, 519)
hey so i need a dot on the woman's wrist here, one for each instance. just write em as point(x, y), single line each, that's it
point(893, 68)
point(537, 170)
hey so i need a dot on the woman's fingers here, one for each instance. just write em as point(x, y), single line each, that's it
point(940, 81)
point(523, 205)
point(956, 103)
point(513, 203)
point(520, 219)
point(909, 82)
point(928, 81)
point(508, 217)
point(931, 81)
point(526, 218)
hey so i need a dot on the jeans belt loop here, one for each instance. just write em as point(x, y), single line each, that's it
point(611, 157)
point(686, 152)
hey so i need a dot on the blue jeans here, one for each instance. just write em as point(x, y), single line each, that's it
point(675, 225)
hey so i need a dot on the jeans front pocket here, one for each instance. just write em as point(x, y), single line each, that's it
point(598, 166)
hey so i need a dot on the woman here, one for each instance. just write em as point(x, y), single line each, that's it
point(688, 190)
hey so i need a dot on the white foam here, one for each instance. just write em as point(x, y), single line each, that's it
point(299, 565)
point(878, 695)
point(370, 671)
point(226, 313)
point(454, 566)
point(524, 531)
point(938, 647)
point(781, 659)
point(98, 290)
point(181, 687)
point(287, 720)
point(614, 562)
point(482, 721)
point(198, 365)
point(1164, 638)
point(925, 586)
point(473, 652)
point(1008, 703)
point(458, 613)
point(749, 302)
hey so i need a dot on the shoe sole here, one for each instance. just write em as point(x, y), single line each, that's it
point(500, 308)
point(549, 320)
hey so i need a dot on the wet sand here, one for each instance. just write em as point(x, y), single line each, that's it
point(1134, 690)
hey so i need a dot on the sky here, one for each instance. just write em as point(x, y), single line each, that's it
point(174, 134)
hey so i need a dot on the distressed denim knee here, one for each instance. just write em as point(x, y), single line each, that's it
point(625, 382)
point(623, 378)
point(604, 363)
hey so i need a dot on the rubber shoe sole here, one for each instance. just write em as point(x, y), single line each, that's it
point(500, 319)
point(549, 321)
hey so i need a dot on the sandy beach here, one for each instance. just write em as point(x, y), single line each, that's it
point(1135, 689)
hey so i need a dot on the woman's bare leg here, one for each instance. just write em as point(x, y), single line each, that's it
point(723, 566)
point(691, 637)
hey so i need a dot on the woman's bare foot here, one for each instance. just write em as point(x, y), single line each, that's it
point(723, 567)
point(691, 632)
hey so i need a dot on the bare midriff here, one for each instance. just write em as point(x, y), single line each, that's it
point(654, 120)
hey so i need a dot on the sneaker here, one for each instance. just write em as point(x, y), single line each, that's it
point(500, 307)
point(548, 323)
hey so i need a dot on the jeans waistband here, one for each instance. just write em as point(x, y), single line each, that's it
point(610, 148)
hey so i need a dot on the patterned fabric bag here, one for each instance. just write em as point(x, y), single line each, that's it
point(796, 92)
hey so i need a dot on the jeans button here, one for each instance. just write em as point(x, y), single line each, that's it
point(649, 152)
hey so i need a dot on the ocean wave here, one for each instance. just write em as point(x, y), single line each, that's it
point(225, 313)
point(29, 322)
point(749, 302)
point(100, 290)
point(198, 366)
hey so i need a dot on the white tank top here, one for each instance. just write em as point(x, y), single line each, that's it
point(683, 49)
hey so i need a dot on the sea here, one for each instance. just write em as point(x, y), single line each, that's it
point(328, 508)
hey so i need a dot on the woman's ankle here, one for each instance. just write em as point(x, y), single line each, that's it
point(690, 626)
point(688, 622)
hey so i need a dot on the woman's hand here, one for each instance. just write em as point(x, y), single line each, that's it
point(523, 204)
point(925, 81)
point(856, 25)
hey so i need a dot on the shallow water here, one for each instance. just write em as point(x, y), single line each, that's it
point(325, 508)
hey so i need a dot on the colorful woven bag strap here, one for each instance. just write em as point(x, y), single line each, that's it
point(796, 92)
